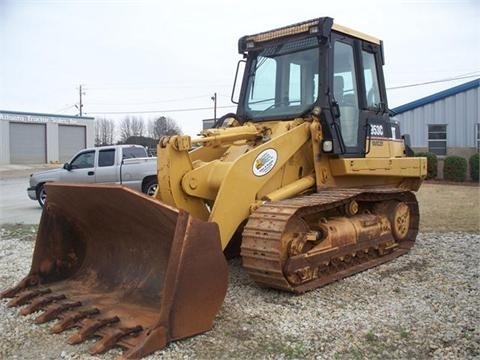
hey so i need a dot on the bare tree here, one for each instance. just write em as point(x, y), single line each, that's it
point(104, 131)
point(163, 126)
point(131, 126)
point(138, 126)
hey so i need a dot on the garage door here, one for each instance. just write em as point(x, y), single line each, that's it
point(28, 143)
point(70, 140)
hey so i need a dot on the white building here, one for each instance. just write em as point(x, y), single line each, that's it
point(32, 138)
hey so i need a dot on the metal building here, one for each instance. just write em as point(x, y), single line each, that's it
point(207, 123)
point(445, 123)
point(33, 138)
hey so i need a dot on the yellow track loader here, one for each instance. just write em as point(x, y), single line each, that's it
point(309, 181)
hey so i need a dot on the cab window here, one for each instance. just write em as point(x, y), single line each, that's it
point(345, 92)
point(372, 89)
point(84, 160)
point(134, 152)
point(106, 157)
point(283, 80)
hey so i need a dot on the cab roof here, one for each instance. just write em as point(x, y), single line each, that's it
point(323, 25)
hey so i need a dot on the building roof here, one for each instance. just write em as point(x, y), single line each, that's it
point(437, 96)
point(20, 113)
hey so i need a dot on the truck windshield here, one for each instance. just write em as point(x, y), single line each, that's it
point(283, 80)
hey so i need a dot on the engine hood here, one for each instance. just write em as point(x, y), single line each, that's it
point(47, 175)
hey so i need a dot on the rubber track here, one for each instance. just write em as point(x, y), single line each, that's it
point(262, 246)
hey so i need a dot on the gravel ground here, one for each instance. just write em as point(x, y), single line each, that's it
point(425, 304)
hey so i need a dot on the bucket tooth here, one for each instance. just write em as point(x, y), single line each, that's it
point(27, 282)
point(11, 292)
point(89, 327)
point(110, 340)
point(52, 311)
point(25, 296)
point(39, 302)
point(69, 320)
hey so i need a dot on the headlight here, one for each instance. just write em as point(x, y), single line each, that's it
point(327, 146)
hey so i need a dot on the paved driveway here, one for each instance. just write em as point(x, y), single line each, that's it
point(15, 205)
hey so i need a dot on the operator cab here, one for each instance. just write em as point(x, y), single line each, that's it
point(316, 64)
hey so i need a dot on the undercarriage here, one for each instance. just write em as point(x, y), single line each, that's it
point(306, 242)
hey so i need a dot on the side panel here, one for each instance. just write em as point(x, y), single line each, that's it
point(133, 171)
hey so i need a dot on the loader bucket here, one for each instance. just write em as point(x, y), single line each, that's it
point(123, 267)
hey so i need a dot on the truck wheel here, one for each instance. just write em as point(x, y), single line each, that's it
point(41, 195)
point(150, 187)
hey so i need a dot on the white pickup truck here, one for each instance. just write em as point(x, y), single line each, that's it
point(121, 164)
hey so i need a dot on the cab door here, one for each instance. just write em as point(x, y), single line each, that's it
point(374, 110)
point(108, 170)
point(82, 168)
point(358, 97)
point(346, 97)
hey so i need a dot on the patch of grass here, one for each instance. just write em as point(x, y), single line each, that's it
point(241, 334)
point(445, 208)
point(290, 348)
point(18, 231)
point(404, 334)
point(371, 337)
point(351, 353)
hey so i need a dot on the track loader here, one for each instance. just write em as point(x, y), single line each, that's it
point(309, 181)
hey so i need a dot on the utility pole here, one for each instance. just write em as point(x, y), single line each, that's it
point(214, 98)
point(80, 105)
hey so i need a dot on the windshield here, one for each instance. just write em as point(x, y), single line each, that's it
point(283, 80)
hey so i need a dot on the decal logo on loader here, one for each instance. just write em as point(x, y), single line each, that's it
point(264, 162)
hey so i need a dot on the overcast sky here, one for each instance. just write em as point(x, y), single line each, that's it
point(139, 56)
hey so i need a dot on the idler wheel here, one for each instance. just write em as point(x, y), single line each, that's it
point(400, 220)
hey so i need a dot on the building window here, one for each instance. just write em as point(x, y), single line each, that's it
point(477, 134)
point(437, 139)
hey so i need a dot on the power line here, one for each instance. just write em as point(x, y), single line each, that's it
point(157, 111)
point(65, 108)
point(151, 102)
point(459, 77)
point(156, 85)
